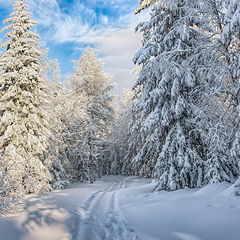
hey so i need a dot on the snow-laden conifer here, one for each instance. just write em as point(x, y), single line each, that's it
point(23, 128)
point(169, 147)
point(57, 161)
point(91, 88)
point(119, 134)
point(231, 43)
point(220, 166)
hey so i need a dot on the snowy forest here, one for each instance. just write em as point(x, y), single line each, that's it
point(179, 125)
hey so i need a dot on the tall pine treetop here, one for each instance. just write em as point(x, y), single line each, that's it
point(22, 48)
point(93, 79)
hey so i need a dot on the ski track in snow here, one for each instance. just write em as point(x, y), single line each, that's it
point(101, 218)
point(112, 207)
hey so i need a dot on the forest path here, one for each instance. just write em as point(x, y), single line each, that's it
point(101, 216)
point(112, 207)
point(83, 212)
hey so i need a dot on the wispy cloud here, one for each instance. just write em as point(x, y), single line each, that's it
point(108, 26)
point(6, 4)
point(53, 18)
point(116, 47)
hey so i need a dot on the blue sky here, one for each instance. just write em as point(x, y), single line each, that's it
point(68, 26)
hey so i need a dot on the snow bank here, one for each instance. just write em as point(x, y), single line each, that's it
point(189, 214)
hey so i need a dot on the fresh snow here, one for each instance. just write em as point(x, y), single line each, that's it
point(126, 208)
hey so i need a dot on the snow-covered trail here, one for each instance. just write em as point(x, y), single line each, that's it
point(104, 200)
point(84, 212)
point(101, 217)
point(126, 208)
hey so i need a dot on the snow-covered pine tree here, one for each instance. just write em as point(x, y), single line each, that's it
point(231, 45)
point(72, 122)
point(23, 128)
point(231, 41)
point(133, 142)
point(57, 161)
point(170, 146)
point(90, 85)
point(220, 120)
point(119, 134)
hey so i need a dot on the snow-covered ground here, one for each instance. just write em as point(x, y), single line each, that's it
point(125, 208)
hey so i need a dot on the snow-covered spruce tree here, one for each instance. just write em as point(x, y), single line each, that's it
point(231, 45)
point(90, 86)
point(72, 135)
point(119, 134)
point(72, 125)
point(23, 131)
point(133, 141)
point(170, 146)
point(57, 161)
point(219, 114)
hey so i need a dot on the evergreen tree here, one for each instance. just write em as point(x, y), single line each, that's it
point(231, 43)
point(57, 161)
point(183, 41)
point(119, 134)
point(90, 85)
point(169, 145)
point(23, 128)
point(220, 166)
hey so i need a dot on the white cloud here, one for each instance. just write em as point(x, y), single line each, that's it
point(6, 3)
point(47, 12)
point(116, 48)
point(104, 19)
point(114, 40)
point(115, 45)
